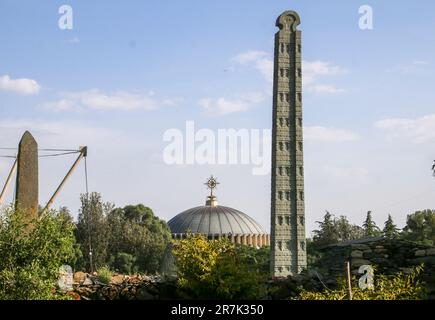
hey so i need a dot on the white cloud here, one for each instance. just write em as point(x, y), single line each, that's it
point(22, 86)
point(59, 105)
point(97, 100)
point(265, 66)
point(418, 130)
point(74, 40)
point(312, 71)
point(223, 106)
point(67, 134)
point(325, 134)
point(172, 101)
point(410, 67)
point(261, 61)
point(347, 174)
point(250, 56)
point(52, 133)
point(420, 62)
point(324, 89)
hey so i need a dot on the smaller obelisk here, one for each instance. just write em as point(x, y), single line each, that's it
point(26, 194)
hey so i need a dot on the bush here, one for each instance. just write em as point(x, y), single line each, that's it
point(397, 287)
point(104, 275)
point(124, 263)
point(216, 269)
point(31, 253)
point(113, 232)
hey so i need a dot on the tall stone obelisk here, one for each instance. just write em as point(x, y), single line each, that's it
point(288, 243)
point(26, 195)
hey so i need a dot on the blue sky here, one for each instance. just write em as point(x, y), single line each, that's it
point(129, 71)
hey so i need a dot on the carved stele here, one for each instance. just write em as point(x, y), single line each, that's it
point(27, 176)
point(288, 250)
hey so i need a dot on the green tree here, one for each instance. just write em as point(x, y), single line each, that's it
point(327, 233)
point(129, 239)
point(136, 231)
point(31, 256)
point(217, 269)
point(333, 230)
point(76, 261)
point(313, 253)
point(369, 226)
point(420, 227)
point(124, 263)
point(92, 230)
point(258, 258)
point(347, 231)
point(390, 230)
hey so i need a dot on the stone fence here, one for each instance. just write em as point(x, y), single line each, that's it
point(87, 287)
point(386, 255)
point(121, 287)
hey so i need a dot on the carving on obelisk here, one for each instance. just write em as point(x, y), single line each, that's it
point(26, 195)
point(288, 249)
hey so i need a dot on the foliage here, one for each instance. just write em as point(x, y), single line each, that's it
point(31, 253)
point(420, 227)
point(124, 263)
point(256, 257)
point(104, 275)
point(390, 230)
point(397, 287)
point(129, 239)
point(92, 230)
point(77, 260)
point(136, 231)
point(313, 253)
point(332, 230)
point(217, 269)
point(369, 226)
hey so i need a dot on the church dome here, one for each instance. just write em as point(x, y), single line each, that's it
point(216, 219)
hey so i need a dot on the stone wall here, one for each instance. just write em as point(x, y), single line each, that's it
point(388, 256)
point(87, 287)
point(141, 287)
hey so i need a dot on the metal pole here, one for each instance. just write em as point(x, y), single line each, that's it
point(83, 153)
point(349, 282)
point(8, 181)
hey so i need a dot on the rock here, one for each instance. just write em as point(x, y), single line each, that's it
point(356, 254)
point(420, 253)
point(125, 293)
point(112, 293)
point(87, 282)
point(79, 277)
point(360, 262)
point(117, 279)
point(146, 279)
point(430, 252)
point(143, 294)
point(359, 246)
point(428, 261)
point(73, 295)
point(85, 292)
